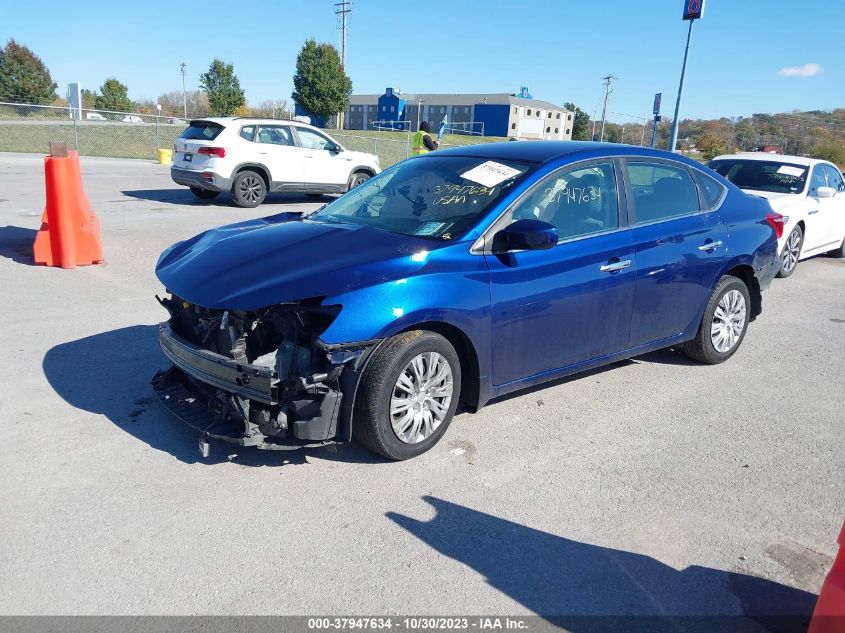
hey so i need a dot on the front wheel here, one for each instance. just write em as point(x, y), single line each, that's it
point(204, 194)
point(791, 252)
point(248, 189)
point(723, 325)
point(409, 393)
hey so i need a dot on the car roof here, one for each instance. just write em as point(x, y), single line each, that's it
point(228, 120)
point(547, 151)
point(772, 158)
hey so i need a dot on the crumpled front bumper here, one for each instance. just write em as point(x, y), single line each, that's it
point(185, 401)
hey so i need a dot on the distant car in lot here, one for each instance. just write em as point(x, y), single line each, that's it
point(252, 157)
point(459, 276)
point(131, 118)
point(809, 193)
point(94, 116)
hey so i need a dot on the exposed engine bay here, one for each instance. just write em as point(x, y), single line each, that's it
point(260, 378)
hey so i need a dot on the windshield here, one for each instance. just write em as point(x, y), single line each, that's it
point(434, 197)
point(762, 175)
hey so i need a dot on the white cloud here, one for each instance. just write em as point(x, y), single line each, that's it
point(807, 70)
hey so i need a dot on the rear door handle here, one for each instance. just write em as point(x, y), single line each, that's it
point(616, 266)
point(710, 246)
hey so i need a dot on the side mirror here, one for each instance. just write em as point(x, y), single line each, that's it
point(525, 235)
point(825, 192)
point(335, 148)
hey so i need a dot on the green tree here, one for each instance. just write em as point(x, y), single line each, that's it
point(23, 76)
point(830, 151)
point(113, 96)
point(89, 99)
point(581, 129)
point(320, 84)
point(223, 88)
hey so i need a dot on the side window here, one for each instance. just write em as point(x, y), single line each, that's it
point(248, 132)
point(274, 135)
point(661, 191)
point(577, 201)
point(834, 178)
point(312, 140)
point(711, 189)
point(817, 179)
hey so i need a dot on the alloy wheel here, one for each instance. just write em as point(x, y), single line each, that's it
point(251, 188)
point(421, 397)
point(791, 251)
point(728, 321)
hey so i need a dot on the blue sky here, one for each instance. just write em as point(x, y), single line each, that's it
point(559, 48)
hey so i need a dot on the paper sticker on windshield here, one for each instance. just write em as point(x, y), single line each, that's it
point(490, 173)
point(429, 228)
point(787, 170)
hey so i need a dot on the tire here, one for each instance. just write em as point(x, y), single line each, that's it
point(357, 178)
point(838, 252)
point(379, 409)
point(204, 194)
point(249, 189)
point(791, 253)
point(730, 295)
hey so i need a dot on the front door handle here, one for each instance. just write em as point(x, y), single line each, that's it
point(710, 246)
point(813, 212)
point(616, 266)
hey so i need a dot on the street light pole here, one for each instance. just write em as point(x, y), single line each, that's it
point(184, 92)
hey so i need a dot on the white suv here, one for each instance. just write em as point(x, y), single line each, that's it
point(251, 157)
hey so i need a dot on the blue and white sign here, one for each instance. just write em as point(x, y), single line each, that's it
point(693, 9)
point(657, 99)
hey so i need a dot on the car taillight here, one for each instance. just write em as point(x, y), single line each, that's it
point(212, 151)
point(777, 222)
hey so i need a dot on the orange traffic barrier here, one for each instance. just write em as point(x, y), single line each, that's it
point(70, 231)
point(829, 615)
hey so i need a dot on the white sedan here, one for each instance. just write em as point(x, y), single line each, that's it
point(809, 193)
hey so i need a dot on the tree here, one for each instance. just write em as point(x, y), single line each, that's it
point(172, 103)
point(89, 99)
point(23, 76)
point(832, 152)
point(223, 88)
point(113, 96)
point(320, 84)
point(581, 130)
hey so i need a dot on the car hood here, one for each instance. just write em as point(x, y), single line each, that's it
point(282, 258)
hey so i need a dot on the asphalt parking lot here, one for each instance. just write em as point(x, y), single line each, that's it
point(655, 486)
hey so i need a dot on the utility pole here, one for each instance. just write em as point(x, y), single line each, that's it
point(342, 9)
point(607, 81)
point(183, 65)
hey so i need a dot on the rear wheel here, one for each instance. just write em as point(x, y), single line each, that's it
point(791, 252)
point(409, 393)
point(204, 194)
point(724, 323)
point(357, 178)
point(249, 189)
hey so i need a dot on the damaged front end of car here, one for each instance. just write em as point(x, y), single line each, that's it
point(259, 378)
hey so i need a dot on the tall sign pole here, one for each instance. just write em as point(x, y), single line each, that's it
point(693, 10)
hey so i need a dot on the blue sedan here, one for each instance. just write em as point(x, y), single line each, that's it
point(451, 279)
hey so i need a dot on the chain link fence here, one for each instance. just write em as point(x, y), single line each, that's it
point(30, 128)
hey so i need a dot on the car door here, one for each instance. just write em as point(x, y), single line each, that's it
point(323, 164)
point(679, 246)
point(573, 302)
point(837, 205)
point(275, 148)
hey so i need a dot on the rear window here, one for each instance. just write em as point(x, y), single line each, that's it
point(202, 131)
point(762, 175)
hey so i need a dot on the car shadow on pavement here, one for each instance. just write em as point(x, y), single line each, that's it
point(109, 374)
point(184, 196)
point(16, 244)
point(584, 587)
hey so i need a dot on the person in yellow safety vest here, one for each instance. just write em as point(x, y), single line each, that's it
point(423, 143)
